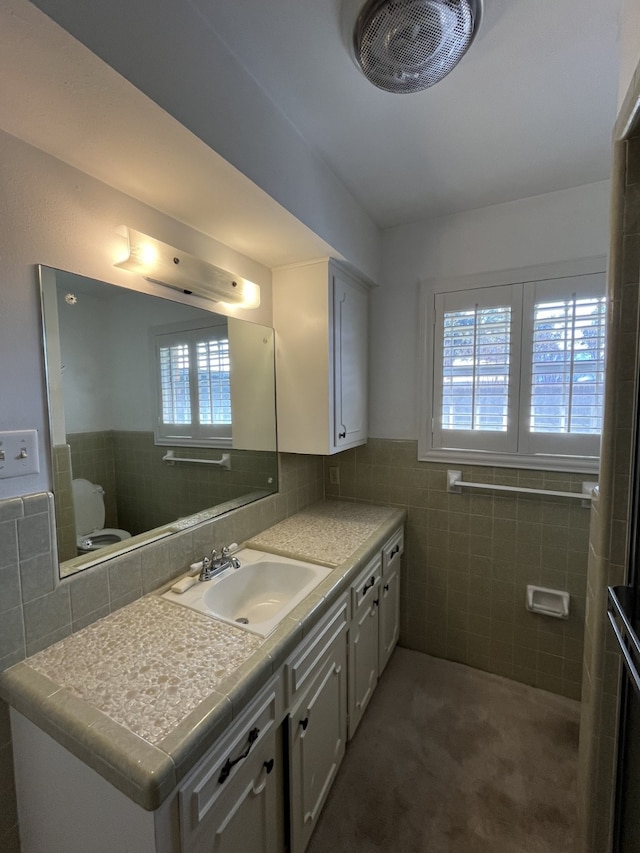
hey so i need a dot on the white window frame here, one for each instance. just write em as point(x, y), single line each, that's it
point(535, 454)
point(194, 434)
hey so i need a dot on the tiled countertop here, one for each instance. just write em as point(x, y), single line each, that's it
point(327, 532)
point(141, 694)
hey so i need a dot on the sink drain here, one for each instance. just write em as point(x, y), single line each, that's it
point(242, 620)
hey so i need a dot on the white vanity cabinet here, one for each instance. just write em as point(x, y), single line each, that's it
point(261, 786)
point(317, 722)
point(233, 799)
point(320, 314)
point(363, 640)
point(375, 625)
point(389, 597)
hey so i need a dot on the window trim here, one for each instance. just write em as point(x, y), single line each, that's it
point(427, 290)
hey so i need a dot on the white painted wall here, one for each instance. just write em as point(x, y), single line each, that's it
point(557, 226)
point(56, 215)
point(182, 65)
point(629, 46)
point(85, 350)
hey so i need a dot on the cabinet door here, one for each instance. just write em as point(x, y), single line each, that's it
point(248, 816)
point(233, 798)
point(317, 736)
point(389, 614)
point(350, 327)
point(363, 657)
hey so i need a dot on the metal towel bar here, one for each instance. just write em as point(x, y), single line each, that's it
point(223, 462)
point(455, 484)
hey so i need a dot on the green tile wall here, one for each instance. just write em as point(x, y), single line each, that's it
point(142, 491)
point(63, 500)
point(610, 526)
point(151, 492)
point(470, 556)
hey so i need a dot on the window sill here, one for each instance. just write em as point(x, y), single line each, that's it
point(568, 464)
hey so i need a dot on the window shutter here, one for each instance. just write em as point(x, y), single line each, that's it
point(475, 369)
point(174, 384)
point(213, 381)
point(194, 378)
point(564, 334)
point(475, 362)
point(513, 372)
point(567, 376)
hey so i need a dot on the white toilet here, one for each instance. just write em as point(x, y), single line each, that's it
point(88, 505)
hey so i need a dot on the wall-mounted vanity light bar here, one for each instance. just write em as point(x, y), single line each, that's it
point(162, 264)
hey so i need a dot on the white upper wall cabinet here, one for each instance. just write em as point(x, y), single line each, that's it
point(320, 314)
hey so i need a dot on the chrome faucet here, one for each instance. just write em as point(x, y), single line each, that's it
point(214, 565)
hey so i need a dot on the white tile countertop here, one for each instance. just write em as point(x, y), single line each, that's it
point(141, 694)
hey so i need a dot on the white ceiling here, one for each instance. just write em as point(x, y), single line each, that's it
point(530, 108)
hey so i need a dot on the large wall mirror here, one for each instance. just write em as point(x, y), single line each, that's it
point(162, 415)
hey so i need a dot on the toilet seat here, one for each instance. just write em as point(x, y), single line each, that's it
point(88, 504)
point(101, 538)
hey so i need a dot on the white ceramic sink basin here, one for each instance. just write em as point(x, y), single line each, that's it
point(258, 595)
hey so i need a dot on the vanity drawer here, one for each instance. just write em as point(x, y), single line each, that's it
point(363, 588)
point(243, 749)
point(312, 652)
point(392, 550)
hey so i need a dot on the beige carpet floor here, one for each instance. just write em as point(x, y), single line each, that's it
point(449, 759)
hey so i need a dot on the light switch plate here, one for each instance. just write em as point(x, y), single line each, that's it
point(19, 453)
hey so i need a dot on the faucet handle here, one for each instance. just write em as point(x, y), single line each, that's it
point(225, 551)
point(214, 555)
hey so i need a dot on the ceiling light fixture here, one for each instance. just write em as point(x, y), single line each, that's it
point(404, 46)
point(161, 264)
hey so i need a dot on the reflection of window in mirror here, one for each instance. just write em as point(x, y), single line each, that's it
point(193, 374)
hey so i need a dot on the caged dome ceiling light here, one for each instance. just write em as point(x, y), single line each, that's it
point(405, 46)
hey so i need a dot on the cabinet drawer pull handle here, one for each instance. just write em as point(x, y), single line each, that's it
point(231, 762)
point(337, 670)
point(368, 585)
point(342, 434)
point(394, 551)
point(268, 765)
point(304, 723)
point(386, 587)
point(376, 603)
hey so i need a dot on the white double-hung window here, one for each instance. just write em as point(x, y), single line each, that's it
point(513, 372)
point(193, 386)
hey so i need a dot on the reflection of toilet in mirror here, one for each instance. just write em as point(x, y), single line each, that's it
point(88, 507)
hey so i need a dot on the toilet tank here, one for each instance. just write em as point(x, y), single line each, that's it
point(88, 506)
